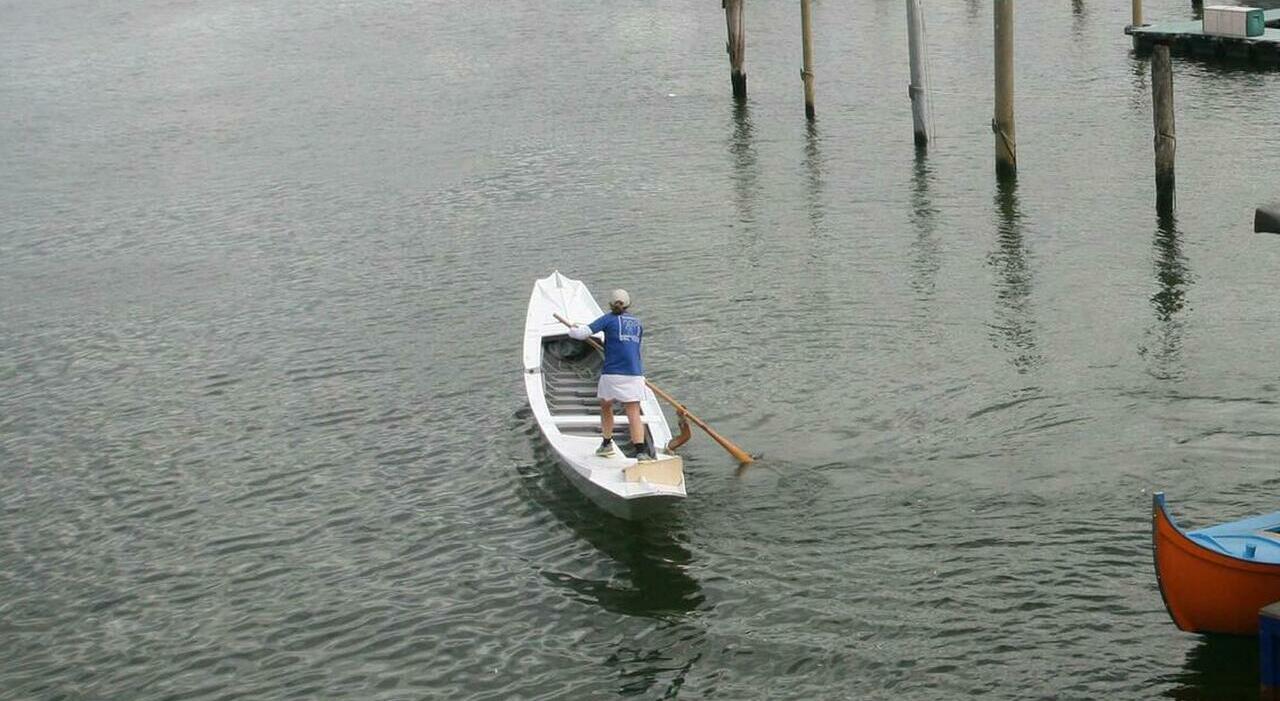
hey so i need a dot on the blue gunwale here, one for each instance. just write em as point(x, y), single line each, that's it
point(1233, 538)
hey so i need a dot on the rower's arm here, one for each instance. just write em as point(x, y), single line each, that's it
point(581, 332)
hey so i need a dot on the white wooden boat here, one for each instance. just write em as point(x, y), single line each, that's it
point(560, 376)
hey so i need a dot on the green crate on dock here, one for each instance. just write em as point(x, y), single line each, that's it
point(1232, 21)
point(1255, 23)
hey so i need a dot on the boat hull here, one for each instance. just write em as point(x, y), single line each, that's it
point(634, 509)
point(1206, 591)
point(560, 378)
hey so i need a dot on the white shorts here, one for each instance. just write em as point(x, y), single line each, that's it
point(621, 388)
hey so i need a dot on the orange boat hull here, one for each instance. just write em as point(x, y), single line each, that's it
point(1206, 591)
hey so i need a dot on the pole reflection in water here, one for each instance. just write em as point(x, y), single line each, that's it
point(924, 219)
point(746, 187)
point(1078, 17)
point(1172, 278)
point(1015, 327)
point(1140, 98)
point(746, 169)
point(814, 164)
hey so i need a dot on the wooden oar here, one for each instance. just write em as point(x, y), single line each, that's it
point(738, 454)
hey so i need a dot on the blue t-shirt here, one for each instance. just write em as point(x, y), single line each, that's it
point(622, 333)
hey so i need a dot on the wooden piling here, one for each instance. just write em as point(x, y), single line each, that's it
point(806, 74)
point(1136, 20)
point(737, 46)
point(1166, 141)
point(918, 90)
point(1002, 123)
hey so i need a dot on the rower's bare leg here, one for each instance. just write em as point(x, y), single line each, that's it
point(634, 422)
point(606, 417)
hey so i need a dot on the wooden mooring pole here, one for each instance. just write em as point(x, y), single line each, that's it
point(737, 46)
point(1002, 124)
point(1137, 20)
point(1166, 140)
point(806, 74)
point(918, 90)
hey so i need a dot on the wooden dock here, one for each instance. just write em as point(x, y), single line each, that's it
point(1187, 38)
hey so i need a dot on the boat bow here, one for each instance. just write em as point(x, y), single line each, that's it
point(1215, 580)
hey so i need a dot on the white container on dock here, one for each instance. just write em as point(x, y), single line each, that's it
point(1232, 21)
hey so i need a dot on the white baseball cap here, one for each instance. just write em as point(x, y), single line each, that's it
point(620, 296)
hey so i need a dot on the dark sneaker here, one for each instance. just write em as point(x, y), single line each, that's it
point(606, 449)
point(641, 452)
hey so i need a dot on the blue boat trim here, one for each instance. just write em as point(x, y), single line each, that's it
point(1255, 539)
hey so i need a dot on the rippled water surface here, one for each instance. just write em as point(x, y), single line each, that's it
point(263, 273)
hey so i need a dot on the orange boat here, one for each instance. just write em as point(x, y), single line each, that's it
point(1214, 580)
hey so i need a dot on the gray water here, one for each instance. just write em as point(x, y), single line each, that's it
point(263, 274)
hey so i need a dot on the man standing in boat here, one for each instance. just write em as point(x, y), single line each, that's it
point(622, 377)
